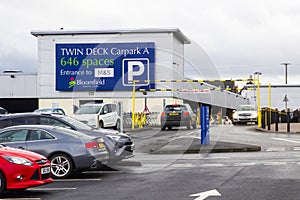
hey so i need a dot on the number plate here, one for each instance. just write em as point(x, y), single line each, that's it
point(101, 145)
point(174, 114)
point(45, 170)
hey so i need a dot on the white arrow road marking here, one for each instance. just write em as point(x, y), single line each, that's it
point(204, 195)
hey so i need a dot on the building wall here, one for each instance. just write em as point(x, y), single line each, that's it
point(165, 45)
point(18, 85)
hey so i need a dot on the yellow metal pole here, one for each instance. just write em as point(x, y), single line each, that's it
point(133, 106)
point(258, 105)
point(269, 101)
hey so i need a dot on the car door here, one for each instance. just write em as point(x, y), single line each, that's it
point(106, 115)
point(40, 141)
point(14, 138)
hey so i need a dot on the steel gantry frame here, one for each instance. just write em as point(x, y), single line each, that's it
point(256, 83)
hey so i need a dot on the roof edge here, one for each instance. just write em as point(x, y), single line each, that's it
point(176, 32)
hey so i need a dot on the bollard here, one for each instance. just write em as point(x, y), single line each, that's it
point(263, 122)
point(204, 121)
point(288, 120)
point(276, 119)
point(268, 118)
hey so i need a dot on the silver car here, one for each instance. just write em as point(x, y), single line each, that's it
point(67, 150)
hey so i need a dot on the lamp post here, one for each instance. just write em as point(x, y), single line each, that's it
point(256, 74)
point(285, 100)
point(256, 81)
point(286, 65)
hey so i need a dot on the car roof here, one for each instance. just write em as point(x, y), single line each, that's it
point(38, 126)
point(14, 115)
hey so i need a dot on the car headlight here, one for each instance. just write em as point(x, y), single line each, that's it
point(254, 115)
point(114, 137)
point(18, 160)
point(235, 115)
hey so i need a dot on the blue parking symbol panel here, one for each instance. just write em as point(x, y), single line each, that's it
point(136, 69)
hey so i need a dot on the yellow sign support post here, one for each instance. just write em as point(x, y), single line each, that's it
point(133, 107)
point(258, 105)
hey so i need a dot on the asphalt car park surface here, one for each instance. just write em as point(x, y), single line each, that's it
point(177, 176)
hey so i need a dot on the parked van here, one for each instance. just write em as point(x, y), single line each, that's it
point(99, 115)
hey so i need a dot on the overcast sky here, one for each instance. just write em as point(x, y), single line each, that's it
point(234, 37)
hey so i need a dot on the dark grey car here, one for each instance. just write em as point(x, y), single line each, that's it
point(120, 146)
point(67, 150)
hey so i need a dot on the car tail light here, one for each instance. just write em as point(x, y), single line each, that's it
point(91, 145)
point(163, 114)
point(186, 114)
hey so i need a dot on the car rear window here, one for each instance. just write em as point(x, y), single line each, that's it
point(88, 110)
point(175, 108)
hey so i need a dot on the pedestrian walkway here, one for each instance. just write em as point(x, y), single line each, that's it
point(282, 128)
point(193, 145)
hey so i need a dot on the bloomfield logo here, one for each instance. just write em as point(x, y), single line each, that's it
point(72, 82)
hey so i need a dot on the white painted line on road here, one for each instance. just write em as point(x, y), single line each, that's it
point(244, 164)
point(22, 199)
point(205, 195)
point(275, 149)
point(77, 179)
point(184, 136)
point(274, 163)
point(155, 165)
point(103, 172)
point(212, 165)
point(190, 133)
point(296, 148)
point(187, 165)
point(50, 189)
point(215, 158)
point(286, 140)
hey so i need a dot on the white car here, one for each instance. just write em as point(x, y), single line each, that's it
point(245, 113)
point(99, 115)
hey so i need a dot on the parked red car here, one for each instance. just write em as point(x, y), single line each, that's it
point(20, 169)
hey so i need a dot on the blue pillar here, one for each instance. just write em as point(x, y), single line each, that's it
point(204, 119)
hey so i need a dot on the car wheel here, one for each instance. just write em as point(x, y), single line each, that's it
point(189, 126)
point(101, 124)
point(195, 126)
point(61, 166)
point(117, 126)
point(2, 183)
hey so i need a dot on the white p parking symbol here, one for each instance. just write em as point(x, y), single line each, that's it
point(135, 69)
point(132, 73)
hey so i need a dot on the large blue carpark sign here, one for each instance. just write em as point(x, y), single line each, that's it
point(104, 66)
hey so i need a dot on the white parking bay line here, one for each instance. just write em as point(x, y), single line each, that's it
point(103, 172)
point(244, 164)
point(212, 165)
point(78, 179)
point(22, 199)
point(296, 148)
point(286, 140)
point(50, 189)
point(274, 163)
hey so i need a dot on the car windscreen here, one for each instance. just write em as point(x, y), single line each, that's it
point(88, 110)
point(78, 124)
point(246, 108)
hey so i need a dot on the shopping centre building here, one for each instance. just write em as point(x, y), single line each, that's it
point(75, 67)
